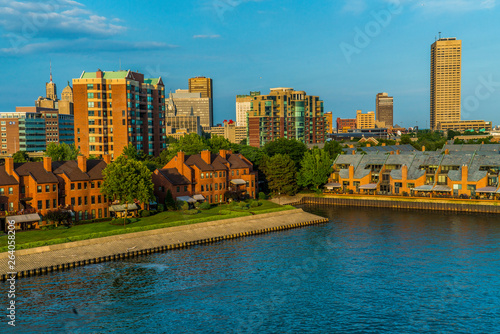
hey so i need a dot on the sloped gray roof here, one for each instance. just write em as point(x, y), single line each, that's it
point(349, 159)
point(368, 159)
point(414, 171)
point(456, 159)
point(480, 160)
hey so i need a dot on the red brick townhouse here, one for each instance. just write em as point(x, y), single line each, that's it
point(205, 176)
point(30, 189)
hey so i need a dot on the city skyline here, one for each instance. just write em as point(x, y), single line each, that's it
point(355, 49)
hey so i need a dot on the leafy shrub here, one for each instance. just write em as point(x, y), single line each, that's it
point(145, 213)
point(161, 207)
point(242, 204)
point(262, 195)
point(224, 212)
point(205, 206)
point(182, 205)
point(197, 205)
point(254, 204)
point(120, 221)
point(191, 212)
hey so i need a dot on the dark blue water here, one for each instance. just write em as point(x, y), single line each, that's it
point(367, 271)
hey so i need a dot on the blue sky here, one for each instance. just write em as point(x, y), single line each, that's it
point(344, 51)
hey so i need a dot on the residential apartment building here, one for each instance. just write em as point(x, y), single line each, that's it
point(31, 189)
point(229, 130)
point(116, 108)
point(446, 70)
point(345, 124)
point(205, 176)
point(365, 120)
point(31, 129)
point(185, 104)
point(329, 121)
point(473, 171)
point(385, 109)
point(243, 103)
point(286, 113)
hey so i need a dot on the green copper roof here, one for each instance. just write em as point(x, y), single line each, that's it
point(107, 75)
point(151, 81)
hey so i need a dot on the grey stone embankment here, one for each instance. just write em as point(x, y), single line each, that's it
point(41, 260)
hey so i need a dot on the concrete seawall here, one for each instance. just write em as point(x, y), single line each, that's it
point(404, 204)
point(41, 260)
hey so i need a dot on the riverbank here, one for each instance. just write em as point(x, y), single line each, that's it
point(404, 203)
point(41, 260)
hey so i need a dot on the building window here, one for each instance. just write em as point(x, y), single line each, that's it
point(47, 188)
point(206, 175)
point(39, 205)
point(79, 201)
point(84, 185)
point(72, 201)
point(92, 185)
point(54, 187)
point(79, 186)
point(47, 204)
point(105, 213)
point(202, 175)
point(252, 184)
point(11, 190)
point(86, 214)
point(54, 203)
point(185, 188)
point(202, 188)
point(86, 200)
point(99, 212)
point(39, 189)
point(410, 185)
point(72, 186)
point(216, 188)
point(2, 191)
point(93, 214)
point(178, 189)
point(216, 197)
point(211, 175)
point(80, 215)
point(237, 172)
point(99, 199)
point(92, 200)
point(232, 172)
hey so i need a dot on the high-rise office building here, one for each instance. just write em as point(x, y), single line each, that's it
point(203, 86)
point(446, 68)
point(384, 109)
point(286, 113)
point(243, 107)
point(116, 108)
point(365, 121)
point(183, 103)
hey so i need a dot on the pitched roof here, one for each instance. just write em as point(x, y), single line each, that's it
point(173, 176)
point(70, 168)
point(236, 162)
point(6, 179)
point(36, 170)
point(95, 168)
point(198, 162)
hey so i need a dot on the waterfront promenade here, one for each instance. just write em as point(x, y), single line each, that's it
point(49, 258)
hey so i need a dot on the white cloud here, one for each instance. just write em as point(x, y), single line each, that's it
point(54, 18)
point(82, 45)
point(206, 36)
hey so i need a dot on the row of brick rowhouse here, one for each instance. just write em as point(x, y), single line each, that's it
point(205, 176)
point(418, 173)
point(33, 188)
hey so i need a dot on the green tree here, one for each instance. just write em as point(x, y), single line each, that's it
point(218, 143)
point(170, 201)
point(20, 156)
point(127, 180)
point(405, 139)
point(62, 152)
point(94, 157)
point(333, 148)
point(293, 148)
point(190, 144)
point(316, 168)
point(58, 217)
point(132, 153)
point(281, 174)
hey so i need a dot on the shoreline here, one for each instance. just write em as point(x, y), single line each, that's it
point(46, 259)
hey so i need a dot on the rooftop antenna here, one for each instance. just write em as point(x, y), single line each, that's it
point(50, 70)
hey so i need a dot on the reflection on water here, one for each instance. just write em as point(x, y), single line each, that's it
point(368, 270)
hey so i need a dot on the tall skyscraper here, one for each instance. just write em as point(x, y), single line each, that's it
point(185, 104)
point(385, 109)
point(117, 108)
point(203, 86)
point(286, 113)
point(446, 69)
point(243, 103)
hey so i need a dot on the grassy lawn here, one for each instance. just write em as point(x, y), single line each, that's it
point(38, 238)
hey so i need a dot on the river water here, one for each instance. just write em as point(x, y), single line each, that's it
point(367, 271)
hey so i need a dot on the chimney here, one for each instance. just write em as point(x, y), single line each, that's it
point(206, 155)
point(351, 146)
point(398, 152)
point(99, 74)
point(180, 162)
point(447, 151)
point(391, 153)
point(383, 144)
point(222, 153)
point(351, 172)
point(404, 173)
point(465, 173)
point(47, 164)
point(423, 148)
point(82, 163)
point(353, 152)
point(9, 165)
point(107, 158)
point(368, 145)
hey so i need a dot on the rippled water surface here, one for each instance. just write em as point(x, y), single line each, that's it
point(367, 271)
